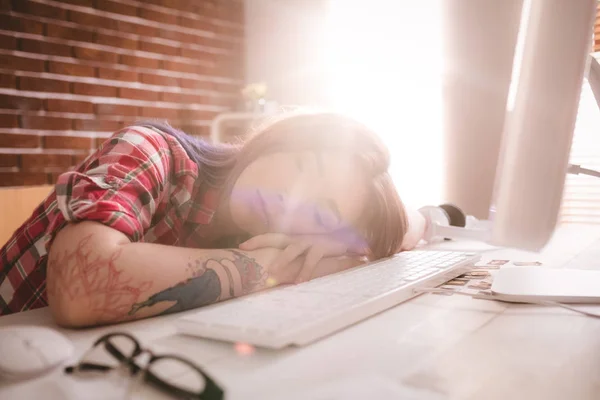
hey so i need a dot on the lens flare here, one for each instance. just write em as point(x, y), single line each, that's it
point(244, 349)
point(271, 282)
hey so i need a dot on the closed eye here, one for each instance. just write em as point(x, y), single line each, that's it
point(327, 219)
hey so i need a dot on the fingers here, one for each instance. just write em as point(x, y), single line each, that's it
point(312, 258)
point(275, 240)
point(288, 255)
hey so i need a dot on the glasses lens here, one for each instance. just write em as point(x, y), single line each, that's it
point(178, 374)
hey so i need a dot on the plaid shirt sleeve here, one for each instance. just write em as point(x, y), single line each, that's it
point(120, 186)
point(124, 185)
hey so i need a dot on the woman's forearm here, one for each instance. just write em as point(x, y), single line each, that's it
point(96, 276)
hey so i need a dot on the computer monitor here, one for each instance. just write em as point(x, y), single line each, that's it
point(551, 58)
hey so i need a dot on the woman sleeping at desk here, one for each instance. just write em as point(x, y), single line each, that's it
point(156, 221)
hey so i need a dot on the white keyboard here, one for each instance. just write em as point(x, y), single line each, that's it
point(300, 314)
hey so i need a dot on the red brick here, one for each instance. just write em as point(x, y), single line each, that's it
point(19, 141)
point(50, 123)
point(137, 29)
point(43, 85)
point(196, 54)
point(155, 2)
point(172, 35)
point(117, 74)
point(116, 109)
point(70, 69)
point(183, 5)
point(22, 63)
point(43, 162)
point(162, 80)
point(159, 112)
point(84, 3)
point(8, 42)
point(67, 142)
point(195, 24)
point(8, 81)
point(97, 125)
point(9, 160)
point(116, 41)
point(79, 158)
point(234, 10)
point(182, 67)
point(197, 115)
point(216, 43)
point(39, 9)
point(65, 32)
point(190, 38)
point(139, 94)
point(43, 47)
point(92, 20)
point(183, 98)
point(70, 106)
point(196, 130)
point(23, 179)
point(94, 90)
point(136, 61)
point(232, 88)
point(21, 24)
point(9, 121)
point(20, 102)
point(158, 48)
point(86, 53)
point(197, 84)
point(233, 31)
point(229, 102)
point(158, 16)
point(118, 8)
point(99, 141)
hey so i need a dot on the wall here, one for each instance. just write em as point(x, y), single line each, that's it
point(597, 30)
point(74, 71)
point(285, 49)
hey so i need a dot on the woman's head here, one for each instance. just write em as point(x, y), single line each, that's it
point(317, 173)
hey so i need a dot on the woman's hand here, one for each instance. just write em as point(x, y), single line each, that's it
point(309, 249)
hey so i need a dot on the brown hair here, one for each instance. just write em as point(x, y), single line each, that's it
point(384, 222)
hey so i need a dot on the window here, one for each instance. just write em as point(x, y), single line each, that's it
point(581, 200)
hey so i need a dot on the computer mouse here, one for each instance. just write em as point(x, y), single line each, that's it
point(27, 351)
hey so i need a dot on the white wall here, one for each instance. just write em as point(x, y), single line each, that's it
point(284, 49)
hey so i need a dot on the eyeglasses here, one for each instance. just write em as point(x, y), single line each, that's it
point(159, 370)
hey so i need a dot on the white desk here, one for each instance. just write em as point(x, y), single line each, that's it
point(454, 347)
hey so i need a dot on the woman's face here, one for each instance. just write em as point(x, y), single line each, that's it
point(299, 193)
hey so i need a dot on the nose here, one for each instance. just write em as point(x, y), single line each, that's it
point(294, 214)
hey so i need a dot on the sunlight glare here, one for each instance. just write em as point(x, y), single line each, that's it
point(384, 66)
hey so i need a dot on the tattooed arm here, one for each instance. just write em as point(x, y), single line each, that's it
point(95, 275)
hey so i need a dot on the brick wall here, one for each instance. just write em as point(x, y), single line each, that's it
point(597, 30)
point(596, 44)
point(74, 71)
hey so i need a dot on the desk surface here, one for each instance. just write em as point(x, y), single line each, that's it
point(432, 347)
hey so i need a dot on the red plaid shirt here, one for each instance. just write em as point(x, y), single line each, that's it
point(140, 182)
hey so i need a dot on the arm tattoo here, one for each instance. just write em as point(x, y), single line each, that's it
point(83, 275)
point(205, 286)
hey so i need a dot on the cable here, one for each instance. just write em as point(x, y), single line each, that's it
point(575, 169)
point(491, 297)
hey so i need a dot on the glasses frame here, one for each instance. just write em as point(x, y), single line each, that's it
point(211, 391)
